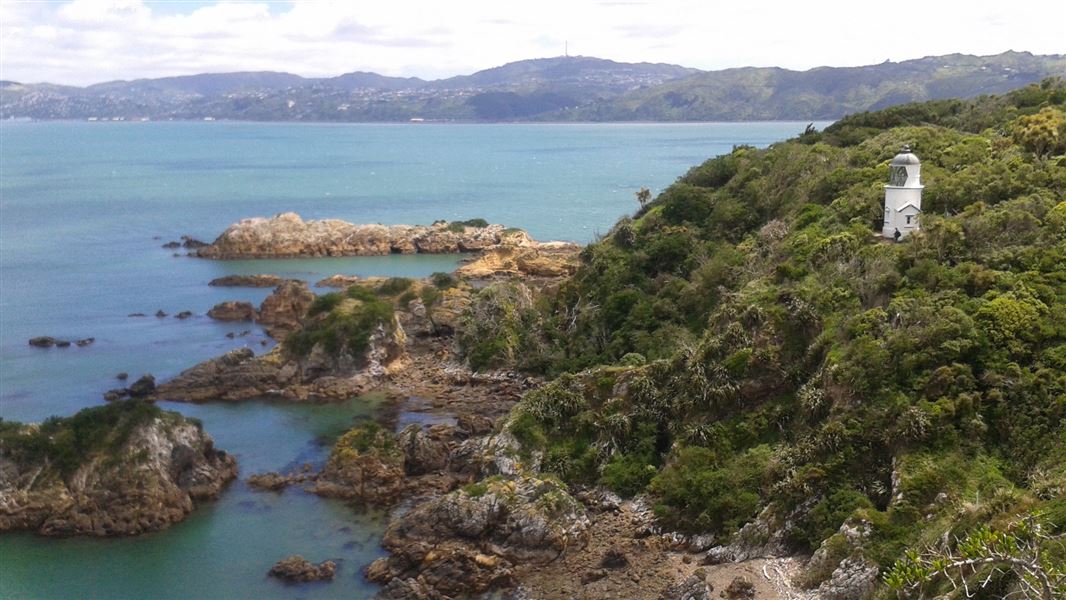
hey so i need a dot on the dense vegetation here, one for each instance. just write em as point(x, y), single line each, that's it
point(749, 341)
point(344, 321)
point(65, 443)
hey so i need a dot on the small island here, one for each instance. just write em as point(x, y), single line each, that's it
point(121, 469)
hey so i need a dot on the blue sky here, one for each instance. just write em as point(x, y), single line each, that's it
point(87, 41)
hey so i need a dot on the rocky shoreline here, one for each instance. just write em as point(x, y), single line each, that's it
point(287, 235)
point(470, 511)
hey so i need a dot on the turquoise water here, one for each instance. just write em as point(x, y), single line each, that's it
point(80, 207)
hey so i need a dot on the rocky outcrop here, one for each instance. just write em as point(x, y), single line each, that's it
point(855, 578)
point(145, 470)
point(48, 341)
point(282, 310)
point(298, 569)
point(338, 281)
point(544, 260)
point(236, 375)
point(693, 587)
point(253, 281)
point(366, 465)
point(469, 541)
point(317, 375)
point(233, 311)
point(287, 235)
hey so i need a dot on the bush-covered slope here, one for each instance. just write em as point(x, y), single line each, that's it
point(749, 341)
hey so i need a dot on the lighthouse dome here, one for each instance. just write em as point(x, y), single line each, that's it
point(905, 158)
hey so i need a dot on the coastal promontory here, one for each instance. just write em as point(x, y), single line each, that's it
point(122, 469)
point(287, 235)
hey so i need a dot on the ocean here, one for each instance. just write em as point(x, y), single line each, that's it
point(84, 211)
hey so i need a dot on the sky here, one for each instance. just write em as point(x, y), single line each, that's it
point(80, 42)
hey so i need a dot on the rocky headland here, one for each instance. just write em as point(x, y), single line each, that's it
point(287, 235)
point(121, 469)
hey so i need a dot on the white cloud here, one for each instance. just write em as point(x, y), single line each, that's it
point(86, 41)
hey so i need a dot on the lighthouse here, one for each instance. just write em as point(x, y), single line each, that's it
point(903, 196)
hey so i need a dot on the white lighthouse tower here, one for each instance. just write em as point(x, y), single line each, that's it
point(903, 195)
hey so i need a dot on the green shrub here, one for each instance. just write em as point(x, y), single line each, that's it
point(394, 285)
point(346, 327)
point(700, 491)
point(68, 442)
point(443, 281)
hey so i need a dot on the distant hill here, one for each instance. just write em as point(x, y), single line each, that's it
point(822, 93)
point(570, 88)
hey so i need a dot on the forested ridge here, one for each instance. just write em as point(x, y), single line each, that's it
point(748, 345)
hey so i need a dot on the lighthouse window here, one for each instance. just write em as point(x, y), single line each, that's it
point(898, 176)
point(909, 219)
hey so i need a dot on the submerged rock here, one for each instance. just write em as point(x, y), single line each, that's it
point(185, 314)
point(298, 569)
point(145, 470)
point(43, 341)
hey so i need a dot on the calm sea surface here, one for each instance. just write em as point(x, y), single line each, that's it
point(84, 209)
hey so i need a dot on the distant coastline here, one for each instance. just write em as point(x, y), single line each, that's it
point(564, 89)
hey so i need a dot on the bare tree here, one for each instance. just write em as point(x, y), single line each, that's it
point(643, 196)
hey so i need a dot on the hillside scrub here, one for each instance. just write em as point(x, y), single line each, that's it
point(749, 341)
point(345, 320)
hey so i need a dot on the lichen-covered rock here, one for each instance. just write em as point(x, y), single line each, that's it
point(422, 453)
point(233, 311)
point(300, 570)
point(408, 589)
point(365, 465)
point(287, 235)
point(551, 259)
point(692, 587)
point(130, 468)
point(468, 541)
point(282, 310)
point(236, 375)
point(853, 579)
point(338, 281)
